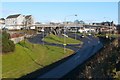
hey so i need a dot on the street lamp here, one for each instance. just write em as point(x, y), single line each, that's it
point(65, 31)
point(75, 28)
point(43, 34)
point(109, 27)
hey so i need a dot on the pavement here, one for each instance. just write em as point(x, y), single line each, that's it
point(89, 48)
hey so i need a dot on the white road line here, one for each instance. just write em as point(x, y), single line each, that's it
point(77, 57)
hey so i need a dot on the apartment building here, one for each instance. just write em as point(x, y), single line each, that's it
point(14, 22)
point(19, 21)
point(2, 23)
point(29, 21)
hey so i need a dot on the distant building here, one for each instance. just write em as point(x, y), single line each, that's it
point(81, 22)
point(2, 23)
point(73, 27)
point(14, 22)
point(76, 22)
point(106, 27)
point(29, 21)
point(87, 30)
point(104, 23)
point(18, 21)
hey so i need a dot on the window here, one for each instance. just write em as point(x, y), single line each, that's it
point(14, 22)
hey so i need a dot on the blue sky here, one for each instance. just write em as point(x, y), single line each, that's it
point(57, 11)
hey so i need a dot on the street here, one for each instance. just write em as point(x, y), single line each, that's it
point(38, 40)
point(90, 47)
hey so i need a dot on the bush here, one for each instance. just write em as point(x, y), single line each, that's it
point(7, 45)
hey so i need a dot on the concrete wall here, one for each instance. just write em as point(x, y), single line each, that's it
point(18, 39)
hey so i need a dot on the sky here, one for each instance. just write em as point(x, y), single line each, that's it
point(63, 11)
point(59, 0)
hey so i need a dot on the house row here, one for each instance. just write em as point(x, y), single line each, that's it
point(104, 23)
point(2, 23)
point(17, 22)
point(87, 30)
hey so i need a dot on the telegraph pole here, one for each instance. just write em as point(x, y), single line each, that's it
point(118, 29)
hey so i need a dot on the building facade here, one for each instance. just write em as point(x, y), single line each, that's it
point(2, 23)
point(14, 22)
point(29, 21)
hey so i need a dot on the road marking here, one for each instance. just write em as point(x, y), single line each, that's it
point(98, 41)
point(88, 41)
point(77, 57)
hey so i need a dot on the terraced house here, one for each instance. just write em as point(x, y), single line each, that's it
point(2, 23)
point(29, 21)
point(18, 22)
point(14, 22)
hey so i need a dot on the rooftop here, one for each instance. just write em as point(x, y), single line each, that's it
point(13, 16)
point(28, 16)
point(2, 19)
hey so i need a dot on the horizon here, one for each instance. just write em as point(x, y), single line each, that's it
point(57, 11)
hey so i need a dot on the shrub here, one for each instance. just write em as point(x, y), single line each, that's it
point(7, 45)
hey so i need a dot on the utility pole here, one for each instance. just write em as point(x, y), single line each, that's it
point(43, 34)
point(118, 29)
point(75, 28)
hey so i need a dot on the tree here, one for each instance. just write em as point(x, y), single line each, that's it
point(81, 22)
point(76, 21)
point(7, 45)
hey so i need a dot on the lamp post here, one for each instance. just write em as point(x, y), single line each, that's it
point(65, 31)
point(43, 34)
point(118, 34)
point(75, 28)
point(109, 27)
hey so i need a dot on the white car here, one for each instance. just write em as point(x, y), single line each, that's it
point(89, 34)
point(106, 36)
point(83, 36)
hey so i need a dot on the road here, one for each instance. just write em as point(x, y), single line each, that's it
point(38, 40)
point(90, 47)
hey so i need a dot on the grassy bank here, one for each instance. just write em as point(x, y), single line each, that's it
point(29, 57)
point(60, 40)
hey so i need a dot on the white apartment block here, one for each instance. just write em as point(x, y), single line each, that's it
point(14, 22)
point(18, 21)
point(29, 22)
point(2, 23)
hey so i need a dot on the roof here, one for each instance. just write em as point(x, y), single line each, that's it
point(2, 19)
point(13, 16)
point(28, 16)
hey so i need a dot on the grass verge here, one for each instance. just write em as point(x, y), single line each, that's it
point(29, 57)
point(60, 40)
